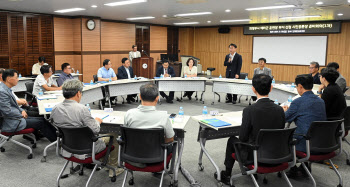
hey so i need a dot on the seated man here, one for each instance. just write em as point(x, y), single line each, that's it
point(303, 111)
point(340, 80)
point(44, 81)
point(314, 68)
point(126, 72)
point(36, 67)
point(332, 95)
point(262, 70)
point(264, 114)
point(104, 74)
point(167, 71)
point(70, 113)
point(65, 75)
point(10, 108)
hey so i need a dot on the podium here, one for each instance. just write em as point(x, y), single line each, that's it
point(144, 67)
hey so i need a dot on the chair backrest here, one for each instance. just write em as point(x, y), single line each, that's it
point(275, 145)
point(324, 136)
point(95, 78)
point(76, 140)
point(142, 145)
point(29, 86)
point(58, 71)
point(347, 118)
point(243, 75)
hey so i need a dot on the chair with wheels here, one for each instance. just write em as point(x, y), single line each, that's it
point(145, 156)
point(29, 92)
point(80, 141)
point(323, 139)
point(274, 151)
point(7, 136)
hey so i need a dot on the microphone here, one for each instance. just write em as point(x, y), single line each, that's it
point(145, 53)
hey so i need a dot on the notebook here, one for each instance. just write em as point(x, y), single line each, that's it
point(215, 122)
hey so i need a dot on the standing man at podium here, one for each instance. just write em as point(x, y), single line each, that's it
point(134, 54)
point(233, 62)
point(167, 71)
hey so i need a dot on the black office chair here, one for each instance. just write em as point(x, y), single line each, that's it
point(95, 79)
point(322, 140)
point(274, 151)
point(81, 140)
point(346, 128)
point(154, 151)
point(29, 92)
point(243, 76)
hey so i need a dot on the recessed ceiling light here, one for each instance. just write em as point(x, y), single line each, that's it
point(193, 14)
point(186, 23)
point(296, 17)
point(340, 14)
point(69, 10)
point(271, 7)
point(164, 16)
point(94, 6)
point(138, 18)
point(234, 20)
point(208, 21)
point(319, 3)
point(265, 18)
point(227, 10)
point(128, 2)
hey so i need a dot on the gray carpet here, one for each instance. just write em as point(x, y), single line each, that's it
point(17, 170)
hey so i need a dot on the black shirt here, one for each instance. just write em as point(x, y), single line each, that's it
point(316, 78)
point(334, 100)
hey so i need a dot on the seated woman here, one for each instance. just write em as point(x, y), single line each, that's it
point(190, 71)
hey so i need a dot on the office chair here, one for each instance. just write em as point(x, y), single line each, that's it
point(346, 128)
point(81, 140)
point(274, 151)
point(344, 91)
point(7, 136)
point(322, 140)
point(29, 92)
point(154, 150)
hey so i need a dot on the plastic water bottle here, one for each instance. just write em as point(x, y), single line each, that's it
point(273, 82)
point(41, 92)
point(246, 78)
point(161, 76)
point(91, 82)
point(185, 75)
point(181, 112)
point(135, 78)
point(20, 76)
point(292, 87)
point(205, 111)
point(88, 106)
point(220, 76)
point(110, 79)
point(77, 71)
point(290, 100)
point(276, 102)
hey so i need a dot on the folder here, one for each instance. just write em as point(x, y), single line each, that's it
point(215, 122)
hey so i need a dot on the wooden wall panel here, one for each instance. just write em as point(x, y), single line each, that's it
point(116, 60)
point(90, 66)
point(73, 60)
point(156, 56)
point(117, 36)
point(91, 39)
point(63, 29)
point(186, 40)
point(158, 37)
point(77, 34)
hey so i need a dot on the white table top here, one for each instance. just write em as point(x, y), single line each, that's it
point(127, 81)
point(41, 103)
point(26, 78)
point(233, 118)
point(182, 79)
point(73, 74)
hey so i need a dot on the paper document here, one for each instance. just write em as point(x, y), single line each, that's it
point(237, 120)
point(107, 118)
point(43, 97)
point(48, 106)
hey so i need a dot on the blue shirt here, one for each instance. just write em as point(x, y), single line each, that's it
point(63, 77)
point(106, 74)
point(303, 111)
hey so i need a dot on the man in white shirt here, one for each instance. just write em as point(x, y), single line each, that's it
point(134, 54)
point(44, 81)
point(36, 67)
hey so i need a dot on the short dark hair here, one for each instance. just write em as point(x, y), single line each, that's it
point(330, 74)
point(64, 65)
point(264, 59)
point(234, 45)
point(41, 59)
point(317, 65)
point(333, 65)
point(8, 73)
point(189, 61)
point(149, 92)
point(262, 83)
point(124, 60)
point(105, 62)
point(2, 70)
point(45, 69)
point(133, 46)
point(305, 80)
point(165, 61)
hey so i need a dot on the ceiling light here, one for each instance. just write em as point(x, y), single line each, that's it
point(138, 18)
point(227, 10)
point(94, 6)
point(208, 21)
point(128, 2)
point(69, 10)
point(296, 17)
point(193, 14)
point(236, 20)
point(319, 3)
point(340, 14)
point(186, 23)
point(265, 18)
point(271, 7)
point(164, 16)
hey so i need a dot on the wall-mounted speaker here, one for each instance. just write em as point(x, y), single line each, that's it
point(224, 30)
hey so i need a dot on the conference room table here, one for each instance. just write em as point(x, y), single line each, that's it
point(179, 84)
point(207, 132)
point(21, 85)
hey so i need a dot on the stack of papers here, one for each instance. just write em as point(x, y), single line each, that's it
point(237, 120)
point(43, 97)
point(215, 122)
point(107, 118)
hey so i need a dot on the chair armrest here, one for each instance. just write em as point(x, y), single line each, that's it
point(98, 137)
point(254, 147)
point(168, 144)
point(120, 141)
point(294, 142)
point(237, 154)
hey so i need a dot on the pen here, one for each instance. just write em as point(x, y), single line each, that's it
point(112, 120)
point(105, 117)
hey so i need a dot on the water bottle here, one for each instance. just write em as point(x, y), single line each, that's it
point(273, 82)
point(205, 111)
point(292, 87)
point(41, 92)
point(276, 102)
point(220, 76)
point(77, 71)
point(181, 112)
point(20, 76)
point(91, 82)
point(88, 106)
point(161, 76)
point(185, 75)
point(290, 100)
point(135, 78)
point(246, 78)
point(110, 79)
